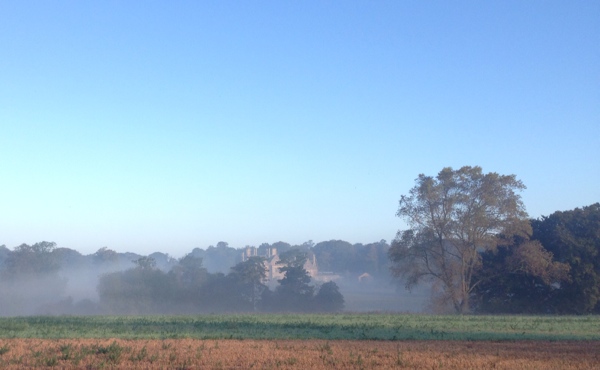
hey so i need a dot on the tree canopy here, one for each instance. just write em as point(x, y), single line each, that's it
point(452, 218)
point(294, 292)
point(574, 238)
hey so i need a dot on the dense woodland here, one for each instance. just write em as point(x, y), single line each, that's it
point(562, 276)
point(571, 238)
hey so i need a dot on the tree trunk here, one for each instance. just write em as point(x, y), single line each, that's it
point(464, 305)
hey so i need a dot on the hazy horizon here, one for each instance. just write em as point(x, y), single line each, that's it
point(73, 285)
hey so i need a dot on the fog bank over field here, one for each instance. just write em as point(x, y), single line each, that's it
point(553, 272)
point(44, 279)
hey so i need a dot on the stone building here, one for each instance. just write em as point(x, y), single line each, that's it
point(272, 258)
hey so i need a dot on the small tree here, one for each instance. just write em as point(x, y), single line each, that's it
point(329, 298)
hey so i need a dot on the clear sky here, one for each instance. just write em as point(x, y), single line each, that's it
point(169, 125)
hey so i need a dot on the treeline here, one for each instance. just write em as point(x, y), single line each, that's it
point(563, 279)
point(45, 279)
point(189, 288)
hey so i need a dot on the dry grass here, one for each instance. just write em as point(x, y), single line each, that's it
point(295, 354)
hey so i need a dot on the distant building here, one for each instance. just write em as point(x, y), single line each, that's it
point(272, 258)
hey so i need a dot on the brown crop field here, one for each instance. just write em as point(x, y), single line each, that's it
point(295, 354)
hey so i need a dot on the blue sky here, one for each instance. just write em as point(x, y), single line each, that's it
point(165, 126)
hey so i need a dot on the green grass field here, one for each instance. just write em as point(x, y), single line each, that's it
point(307, 326)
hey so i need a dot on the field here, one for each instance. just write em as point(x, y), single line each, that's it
point(345, 341)
point(295, 354)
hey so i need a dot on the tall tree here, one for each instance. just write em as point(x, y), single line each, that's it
point(452, 218)
point(294, 292)
point(249, 277)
